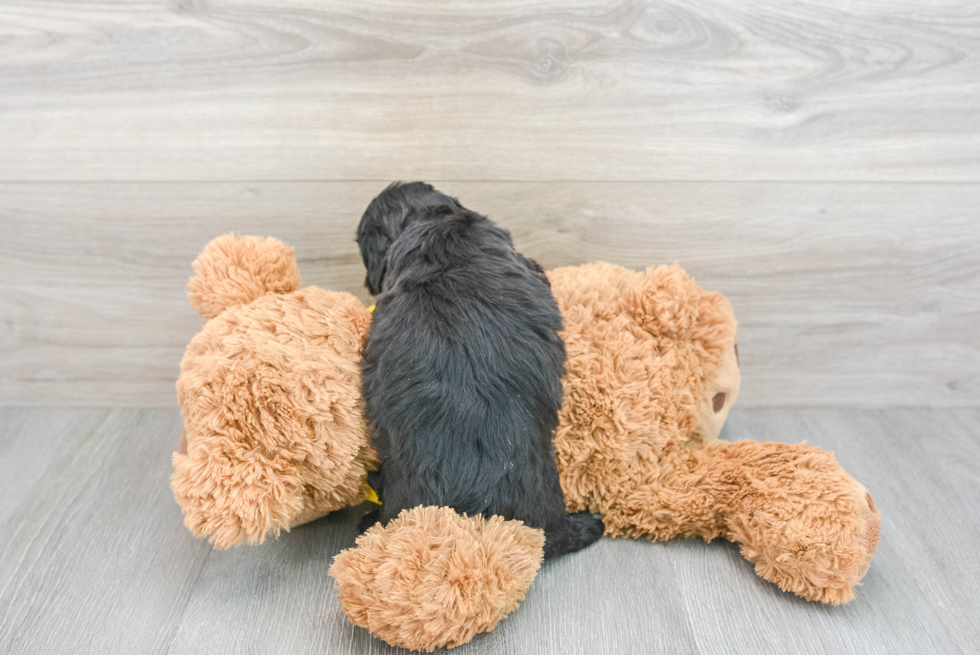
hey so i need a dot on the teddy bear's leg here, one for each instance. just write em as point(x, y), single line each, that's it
point(432, 578)
point(805, 523)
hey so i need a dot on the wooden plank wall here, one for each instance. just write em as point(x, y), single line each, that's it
point(819, 163)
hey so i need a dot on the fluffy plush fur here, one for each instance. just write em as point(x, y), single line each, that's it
point(462, 369)
point(270, 395)
point(472, 573)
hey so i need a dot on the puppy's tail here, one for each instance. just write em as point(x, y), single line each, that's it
point(433, 578)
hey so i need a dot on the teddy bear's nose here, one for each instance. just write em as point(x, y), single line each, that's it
point(719, 401)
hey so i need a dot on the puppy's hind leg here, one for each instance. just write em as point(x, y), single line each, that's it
point(368, 520)
point(376, 483)
point(573, 532)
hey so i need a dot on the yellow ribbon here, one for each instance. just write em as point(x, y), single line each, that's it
point(372, 495)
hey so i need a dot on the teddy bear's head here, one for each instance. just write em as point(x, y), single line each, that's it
point(270, 395)
point(652, 367)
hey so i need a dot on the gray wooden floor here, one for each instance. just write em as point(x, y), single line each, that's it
point(94, 557)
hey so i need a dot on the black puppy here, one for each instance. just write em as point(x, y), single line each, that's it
point(462, 369)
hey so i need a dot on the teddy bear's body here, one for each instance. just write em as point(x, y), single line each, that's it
point(270, 391)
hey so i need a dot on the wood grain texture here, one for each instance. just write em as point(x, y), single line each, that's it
point(93, 554)
point(94, 559)
point(492, 90)
point(847, 294)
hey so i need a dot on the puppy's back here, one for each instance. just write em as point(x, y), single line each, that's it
point(463, 368)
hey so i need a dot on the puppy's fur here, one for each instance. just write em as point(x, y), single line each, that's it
point(462, 368)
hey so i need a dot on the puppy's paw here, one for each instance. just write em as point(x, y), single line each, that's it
point(368, 520)
point(590, 527)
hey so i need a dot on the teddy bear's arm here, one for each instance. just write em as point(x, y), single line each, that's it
point(805, 523)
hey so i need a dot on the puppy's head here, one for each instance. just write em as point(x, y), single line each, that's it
point(385, 219)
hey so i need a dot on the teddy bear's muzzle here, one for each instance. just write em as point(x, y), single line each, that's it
point(869, 513)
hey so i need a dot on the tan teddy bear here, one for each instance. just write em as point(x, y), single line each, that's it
point(270, 391)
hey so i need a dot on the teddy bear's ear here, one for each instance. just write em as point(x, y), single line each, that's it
point(665, 301)
point(231, 272)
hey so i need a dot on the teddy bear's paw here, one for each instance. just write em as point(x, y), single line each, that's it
point(817, 546)
point(432, 578)
point(231, 272)
point(233, 494)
